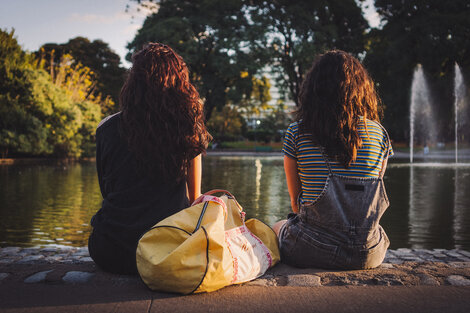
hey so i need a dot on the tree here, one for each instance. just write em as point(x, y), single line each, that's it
point(40, 115)
point(429, 32)
point(226, 124)
point(96, 55)
point(300, 30)
point(216, 40)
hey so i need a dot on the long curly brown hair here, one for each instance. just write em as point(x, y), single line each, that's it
point(336, 92)
point(162, 113)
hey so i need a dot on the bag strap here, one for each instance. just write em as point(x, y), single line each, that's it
point(203, 211)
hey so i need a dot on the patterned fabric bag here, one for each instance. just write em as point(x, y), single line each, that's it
point(206, 247)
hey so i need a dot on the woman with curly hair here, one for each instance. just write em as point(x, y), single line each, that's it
point(148, 156)
point(335, 155)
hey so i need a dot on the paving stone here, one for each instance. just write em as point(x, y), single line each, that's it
point(422, 250)
point(457, 280)
point(37, 277)
point(428, 280)
point(261, 282)
point(52, 259)
point(439, 255)
point(30, 259)
point(465, 253)
point(10, 250)
point(460, 264)
point(401, 254)
point(77, 277)
point(303, 280)
point(412, 258)
point(403, 250)
point(395, 261)
point(49, 250)
point(61, 255)
point(453, 254)
point(3, 276)
point(30, 251)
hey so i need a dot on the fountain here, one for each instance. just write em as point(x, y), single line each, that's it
point(459, 93)
point(425, 127)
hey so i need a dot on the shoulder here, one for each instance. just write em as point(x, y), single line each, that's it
point(293, 127)
point(108, 121)
point(375, 127)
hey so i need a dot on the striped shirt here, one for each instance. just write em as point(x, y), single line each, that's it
point(312, 168)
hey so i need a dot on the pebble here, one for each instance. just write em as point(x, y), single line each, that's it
point(460, 264)
point(457, 280)
point(10, 250)
point(303, 280)
point(386, 265)
point(30, 259)
point(37, 277)
point(77, 277)
point(86, 259)
point(428, 280)
point(263, 282)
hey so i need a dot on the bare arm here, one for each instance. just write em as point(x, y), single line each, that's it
point(293, 181)
point(193, 180)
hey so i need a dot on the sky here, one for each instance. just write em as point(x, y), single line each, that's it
point(37, 22)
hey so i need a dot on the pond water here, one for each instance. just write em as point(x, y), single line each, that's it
point(52, 204)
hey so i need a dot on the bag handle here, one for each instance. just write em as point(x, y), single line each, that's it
point(208, 197)
point(211, 192)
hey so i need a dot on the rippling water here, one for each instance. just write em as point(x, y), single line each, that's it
point(53, 204)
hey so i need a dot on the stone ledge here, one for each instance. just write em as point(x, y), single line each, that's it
point(401, 267)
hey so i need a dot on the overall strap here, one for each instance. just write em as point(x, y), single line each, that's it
point(325, 157)
point(385, 160)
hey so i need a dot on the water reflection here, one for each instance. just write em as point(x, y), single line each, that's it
point(437, 209)
point(47, 204)
point(257, 183)
point(52, 204)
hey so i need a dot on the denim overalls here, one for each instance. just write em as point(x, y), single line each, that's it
point(340, 229)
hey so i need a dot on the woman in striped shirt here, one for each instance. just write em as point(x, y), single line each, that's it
point(335, 155)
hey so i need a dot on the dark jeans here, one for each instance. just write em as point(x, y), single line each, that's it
point(110, 256)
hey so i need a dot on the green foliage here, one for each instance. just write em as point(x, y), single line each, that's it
point(97, 56)
point(216, 40)
point(40, 115)
point(272, 127)
point(226, 125)
point(297, 31)
point(432, 33)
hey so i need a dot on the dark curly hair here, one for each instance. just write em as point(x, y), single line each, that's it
point(335, 93)
point(162, 114)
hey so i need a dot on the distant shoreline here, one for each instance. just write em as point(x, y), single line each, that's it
point(419, 157)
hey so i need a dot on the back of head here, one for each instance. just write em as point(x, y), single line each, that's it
point(162, 114)
point(336, 92)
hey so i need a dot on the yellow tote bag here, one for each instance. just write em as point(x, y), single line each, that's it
point(206, 247)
